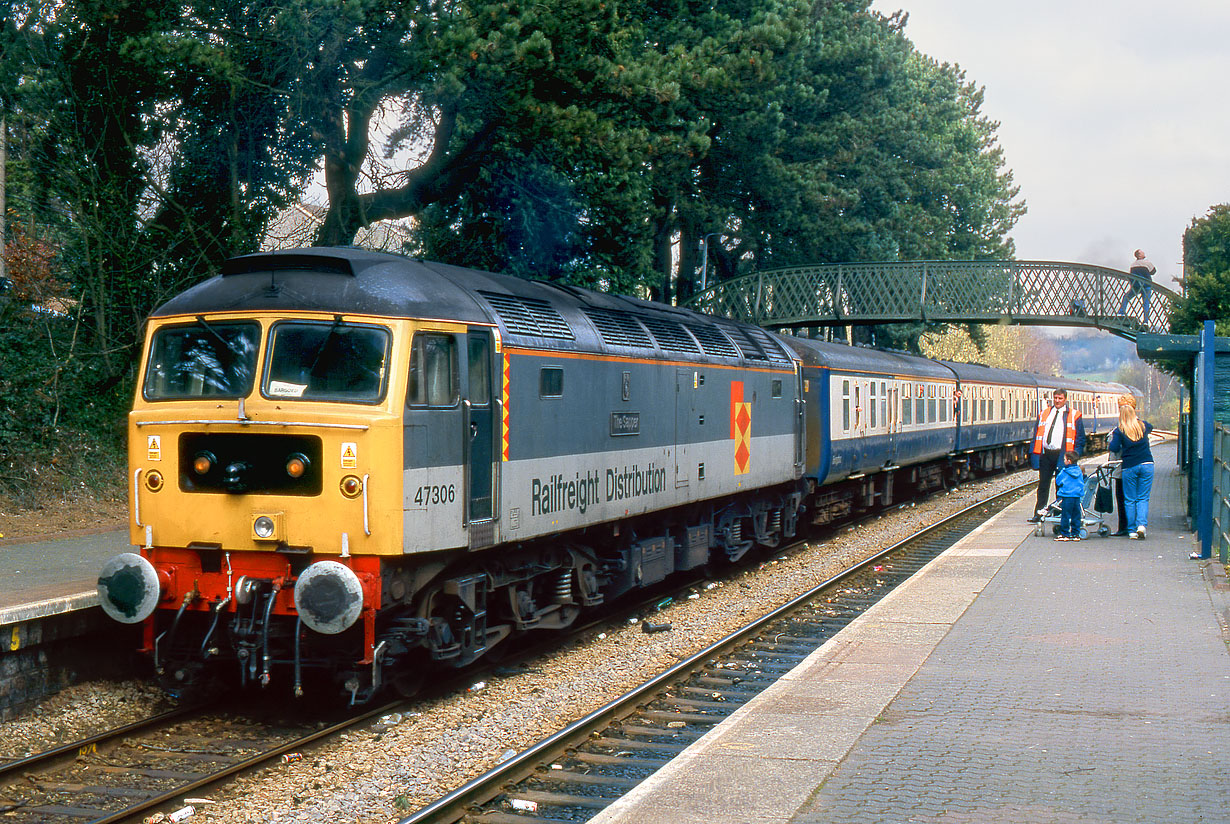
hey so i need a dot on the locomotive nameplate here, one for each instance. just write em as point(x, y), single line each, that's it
point(625, 423)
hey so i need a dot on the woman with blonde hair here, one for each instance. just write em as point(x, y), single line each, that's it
point(1131, 440)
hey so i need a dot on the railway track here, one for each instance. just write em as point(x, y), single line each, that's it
point(121, 774)
point(580, 770)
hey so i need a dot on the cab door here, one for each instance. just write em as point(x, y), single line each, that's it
point(434, 452)
point(478, 432)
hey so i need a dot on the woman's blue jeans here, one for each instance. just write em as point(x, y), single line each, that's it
point(1137, 484)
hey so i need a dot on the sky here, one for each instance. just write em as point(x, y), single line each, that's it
point(1113, 114)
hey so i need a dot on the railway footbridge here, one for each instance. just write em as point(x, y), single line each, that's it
point(1031, 292)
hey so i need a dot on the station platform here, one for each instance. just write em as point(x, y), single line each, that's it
point(1015, 679)
point(49, 577)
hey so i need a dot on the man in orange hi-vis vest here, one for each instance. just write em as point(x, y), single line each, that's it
point(1060, 430)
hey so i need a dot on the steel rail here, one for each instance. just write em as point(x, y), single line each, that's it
point(90, 743)
point(243, 765)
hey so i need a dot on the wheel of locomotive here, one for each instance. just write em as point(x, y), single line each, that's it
point(408, 683)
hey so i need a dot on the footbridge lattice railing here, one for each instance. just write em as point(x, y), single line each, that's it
point(1023, 292)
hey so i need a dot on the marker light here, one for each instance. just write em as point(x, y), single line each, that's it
point(203, 462)
point(153, 480)
point(297, 465)
point(352, 487)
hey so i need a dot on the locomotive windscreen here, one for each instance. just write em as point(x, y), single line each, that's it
point(320, 361)
point(205, 359)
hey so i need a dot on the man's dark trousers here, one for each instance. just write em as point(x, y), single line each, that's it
point(1048, 461)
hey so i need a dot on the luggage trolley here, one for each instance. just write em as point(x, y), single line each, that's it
point(1090, 514)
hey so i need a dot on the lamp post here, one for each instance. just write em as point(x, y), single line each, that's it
point(704, 258)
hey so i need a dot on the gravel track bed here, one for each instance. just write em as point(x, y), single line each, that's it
point(385, 771)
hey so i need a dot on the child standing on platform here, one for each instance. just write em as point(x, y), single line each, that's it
point(1070, 485)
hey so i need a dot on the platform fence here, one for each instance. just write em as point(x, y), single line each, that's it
point(1221, 492)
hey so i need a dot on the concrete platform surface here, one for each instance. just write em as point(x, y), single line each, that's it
point(1015, 679)
point(42, 578)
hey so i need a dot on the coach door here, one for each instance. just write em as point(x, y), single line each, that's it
point(478, 432)
point(892, 416)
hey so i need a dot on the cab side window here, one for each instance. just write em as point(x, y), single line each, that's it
point(434, 377)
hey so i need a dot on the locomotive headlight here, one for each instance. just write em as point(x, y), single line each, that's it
point(297, 465)
point(203, 462)
point(267, 527)
point(328, 597)
point(153, 480)
point(351, 486)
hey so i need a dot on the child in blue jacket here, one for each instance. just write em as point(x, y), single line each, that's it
point(1070, 485)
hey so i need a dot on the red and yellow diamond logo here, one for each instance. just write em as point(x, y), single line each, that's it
point(741, 428)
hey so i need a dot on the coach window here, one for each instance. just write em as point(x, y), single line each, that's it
point(871, 401)
point(931, 416)
point(551, 382)
point(433, 371)
point(884, 402)
point(943, 404)
point(776, 386)
point(907, 407)
point(845, 405)
point(920, 405)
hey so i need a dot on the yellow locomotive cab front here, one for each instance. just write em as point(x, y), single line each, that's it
point(268, 434)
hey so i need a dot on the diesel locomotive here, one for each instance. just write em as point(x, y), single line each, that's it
point(351, 466)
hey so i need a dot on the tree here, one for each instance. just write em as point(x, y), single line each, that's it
point(526, 126)
point(856, 148)
point(1206, 287)
point(158, 148)
point(1007, 347)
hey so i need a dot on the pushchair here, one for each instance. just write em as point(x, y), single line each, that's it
point(1091, 513)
